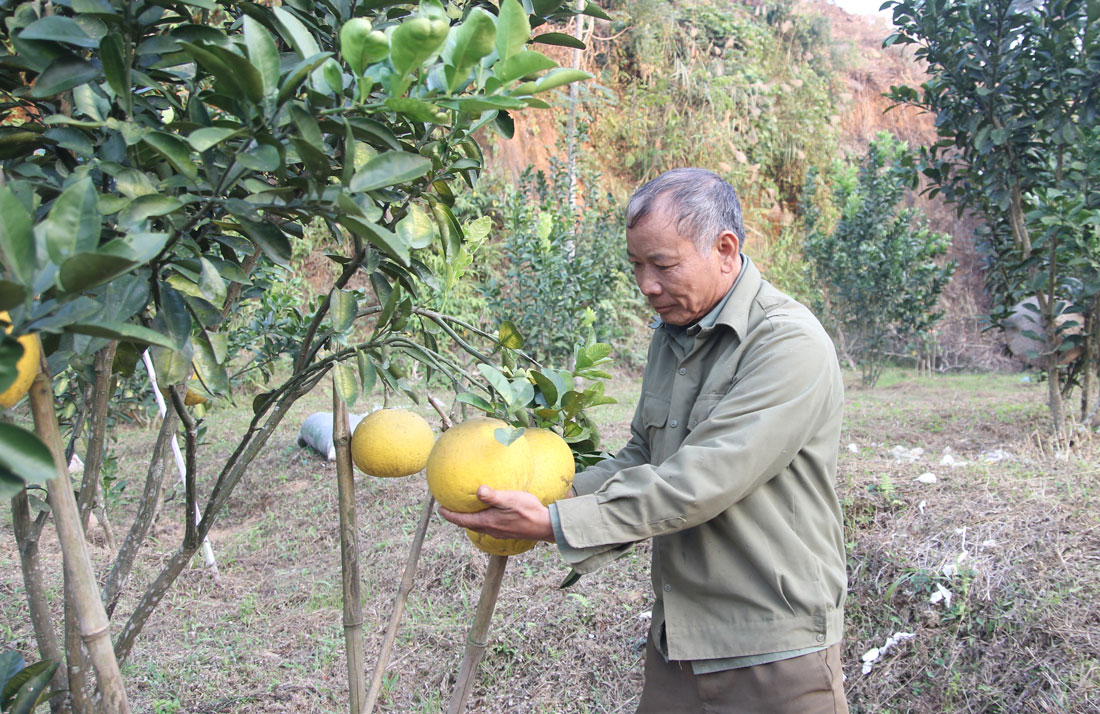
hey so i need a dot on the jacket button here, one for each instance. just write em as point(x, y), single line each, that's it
point(683, 371)
point(669, 587)
point(673, 423)
point(821, 638)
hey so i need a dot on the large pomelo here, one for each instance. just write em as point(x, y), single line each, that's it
point(552, 473)
point(468, 455)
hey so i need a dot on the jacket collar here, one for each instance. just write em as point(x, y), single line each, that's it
point(735, 314)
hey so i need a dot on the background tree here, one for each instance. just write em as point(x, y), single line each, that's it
point(1013, 88)
point(877, 265)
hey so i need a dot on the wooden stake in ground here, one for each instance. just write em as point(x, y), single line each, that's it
point(91, 617)
point(478, 639)
point(406, 584)
point(349, 553)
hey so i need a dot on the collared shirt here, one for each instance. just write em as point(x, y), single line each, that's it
point(730, 469)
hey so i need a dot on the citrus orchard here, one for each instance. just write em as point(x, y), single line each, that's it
point(391, 442)
point(25, 368)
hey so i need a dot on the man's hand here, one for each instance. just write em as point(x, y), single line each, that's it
point(511, 514)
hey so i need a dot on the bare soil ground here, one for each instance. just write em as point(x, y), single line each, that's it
point(1012, 533)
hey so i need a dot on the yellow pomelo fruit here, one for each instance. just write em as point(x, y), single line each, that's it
point(499, 546)
point(391, 442)
point(25, 368)
point(468, 455)
point(552, 473)
point(191, 398)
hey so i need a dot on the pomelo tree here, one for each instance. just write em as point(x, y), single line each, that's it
point(155, 156)
point(1013, 88)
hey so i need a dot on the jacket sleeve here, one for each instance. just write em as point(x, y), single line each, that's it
point(635, 453)
point(786, 389)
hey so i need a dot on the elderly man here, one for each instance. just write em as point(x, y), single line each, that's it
point(730, 470)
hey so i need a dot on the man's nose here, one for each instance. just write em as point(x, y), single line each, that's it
point(648, 283)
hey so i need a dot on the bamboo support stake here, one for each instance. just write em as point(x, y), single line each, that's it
point(406, 585)
point(349, 553)
point(90, 614)
point(478, 639)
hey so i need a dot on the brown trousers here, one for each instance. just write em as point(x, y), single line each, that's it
point(809, 684)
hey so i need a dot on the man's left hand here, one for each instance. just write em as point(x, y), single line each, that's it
point(511, 514)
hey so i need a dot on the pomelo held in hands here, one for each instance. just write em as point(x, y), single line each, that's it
point(391, 442)
point(469, 455)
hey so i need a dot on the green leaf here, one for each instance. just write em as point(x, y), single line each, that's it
point(389, 169)
point(16, 237)
point(10, 354)
point(11, 294)
point(172, 365)
point(263, 54)
point(297, 75)
point(63, 74)
point(84, 271)
point(73, 224)
point(547, 387)
point(211, 284)
point(210, 371)
point(553, 79)
point(123, 331)
point(570, 580)
point(209, 136)
point(376, 235)
point(343, 309)
point(268, 238)
point(29, 693)
point(475, 401)
point(296, 34)
point(23, 459)
point(368, 375)
point(593, 10)
point(417, 228)
point(144, 207)
point(113, 58)
point(11, 662)
point(559, 39)
point(175, 150)
point(473, 39)
point(522, 64)
point(513, 29)
point(597, 351)
point(509, 336)
point(499, 382)
point(345, 383)
point(57, 28)
point(508, 436)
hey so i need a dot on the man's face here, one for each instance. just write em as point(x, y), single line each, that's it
point(679, 283)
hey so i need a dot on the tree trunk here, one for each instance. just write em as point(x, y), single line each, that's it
point(91, 617)
point(147, 511)
point(349, 555)
point(97, 431)
point(26, 539)
point(478, 639)
point(81, 690)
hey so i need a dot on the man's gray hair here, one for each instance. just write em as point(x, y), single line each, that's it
point(700, 203)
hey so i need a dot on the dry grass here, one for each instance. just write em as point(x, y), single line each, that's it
point(1020, 634)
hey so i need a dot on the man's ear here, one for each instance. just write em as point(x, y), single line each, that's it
point(729, 250)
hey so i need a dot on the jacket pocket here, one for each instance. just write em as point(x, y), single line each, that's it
point(700, 411)
point(655, 412)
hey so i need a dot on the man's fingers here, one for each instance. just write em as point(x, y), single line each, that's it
point(487, 495)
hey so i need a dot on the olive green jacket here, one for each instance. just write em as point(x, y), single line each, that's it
point(730, 469)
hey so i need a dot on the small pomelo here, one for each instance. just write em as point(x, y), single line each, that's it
point(469, 455)
point(25, 368)
point(391, 442)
